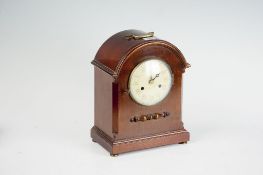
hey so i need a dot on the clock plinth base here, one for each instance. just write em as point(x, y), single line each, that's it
point(116, 147)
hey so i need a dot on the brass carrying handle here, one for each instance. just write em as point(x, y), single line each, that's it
point(137, 37)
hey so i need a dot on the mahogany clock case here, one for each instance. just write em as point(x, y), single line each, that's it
point(121, 124)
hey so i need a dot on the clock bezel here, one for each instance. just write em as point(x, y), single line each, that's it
point(149, 58)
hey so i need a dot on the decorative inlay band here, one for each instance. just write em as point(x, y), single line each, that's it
point(136, 140)
point(103, 67)
point(150, 137)
point(148, 117)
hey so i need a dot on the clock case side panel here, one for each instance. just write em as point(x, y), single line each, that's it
point(103, 107)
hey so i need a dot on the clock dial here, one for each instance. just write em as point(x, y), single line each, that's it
point(150, 82)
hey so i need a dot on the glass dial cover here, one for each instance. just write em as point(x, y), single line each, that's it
point(150, 82)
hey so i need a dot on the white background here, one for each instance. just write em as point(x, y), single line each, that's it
point(46, 85)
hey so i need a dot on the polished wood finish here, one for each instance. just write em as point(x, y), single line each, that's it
point(116, 147)
point(116, 127)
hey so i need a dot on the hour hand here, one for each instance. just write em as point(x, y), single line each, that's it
point(151, 80)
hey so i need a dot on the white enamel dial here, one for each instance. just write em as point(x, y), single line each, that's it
point(150, 82)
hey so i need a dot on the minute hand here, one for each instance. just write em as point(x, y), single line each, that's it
point(152, 79)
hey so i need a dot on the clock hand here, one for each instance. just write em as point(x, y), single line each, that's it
point(157, 75)
point(152, 79)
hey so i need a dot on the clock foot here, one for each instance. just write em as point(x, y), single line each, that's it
point(114, 155)
point(93, 140)
point(182, 143)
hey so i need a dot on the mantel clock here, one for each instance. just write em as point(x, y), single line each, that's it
point(138, 93)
